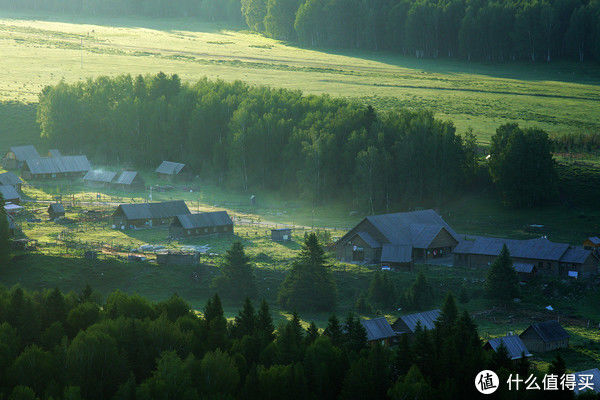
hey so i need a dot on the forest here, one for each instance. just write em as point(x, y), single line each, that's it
point(490, 31)
point(76, 346)
point(259, 137)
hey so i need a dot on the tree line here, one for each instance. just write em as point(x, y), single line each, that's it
point(75, 346)
point(490, 30)
point(259, 137)
point(496, 31)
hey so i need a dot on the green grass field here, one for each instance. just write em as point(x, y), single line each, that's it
point(43, 49)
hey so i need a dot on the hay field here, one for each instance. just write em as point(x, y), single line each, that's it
point(43, 49)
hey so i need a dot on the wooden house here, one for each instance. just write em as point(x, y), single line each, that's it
point(10, 194)
point(548, 258)
point(17, 155)
point(545, 336)
point(206, 223)
point(592, 243)
point(169, 170)
point(10, 179)
point(61, 167)
point(99, 178)
point(148, 214)
point(379, 330)
point(56, 210)
point(407, 324)
point(513, 344)
point(129, 180)
point(281, 234)
point(397, 239)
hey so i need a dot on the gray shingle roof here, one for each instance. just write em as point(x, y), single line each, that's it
point(537, 249)
point(9, 193)
point(514, 345)
point(54, 153)
point(417, 228)
point(396, 253)
point(23, 153)
point(575, 255)
point(203, 220)
point(166, 209)
point(377, 328)
point(549, 331)
point(594, 380)
point(8, 178)
point(66, 164)
point(100, 176)
point(169, 168)
point(426, 318)
point(523, 267)
point(126, 177)
point(368, 239)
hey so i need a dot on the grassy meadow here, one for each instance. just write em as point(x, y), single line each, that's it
point(43, 49)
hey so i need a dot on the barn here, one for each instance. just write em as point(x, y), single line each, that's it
point(130, 180)
point(169, 169)
point(62, 167)
point(379, 330)
point(407, 324)
point(17, 155)
point(545, 336)
point(206, 223)
point(56, 210)
point(399, 238)
point(548, 258)
point(10, 179)
point(148, 214)
point(281, 234)
point(99, 177)
point(10, 194)
point(513, 344)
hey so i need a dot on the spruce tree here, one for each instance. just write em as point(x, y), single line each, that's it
point(264, 322)
point(236, 280)
point(334, 331)
point(420, 295)
point(312, 333)
point(245, 321)
point(502, 284)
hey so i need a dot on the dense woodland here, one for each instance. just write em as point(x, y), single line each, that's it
point(56, 346)
point(258, 137)
point(486, 30)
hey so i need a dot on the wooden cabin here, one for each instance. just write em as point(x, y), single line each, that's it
point(545, 336)
point(202, 224)
point(281, 234)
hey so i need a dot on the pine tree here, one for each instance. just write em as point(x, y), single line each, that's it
point(264, 322)
point(502, 284)
point(236, 281)
point(216, 324)
point(420, 295)
point(245, 322)
point(312, 333)
point(334, 331)
point(355, 335)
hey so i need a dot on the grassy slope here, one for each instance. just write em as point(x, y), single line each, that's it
point(560, 97)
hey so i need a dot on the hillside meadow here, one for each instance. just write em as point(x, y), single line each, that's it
point(43, 49)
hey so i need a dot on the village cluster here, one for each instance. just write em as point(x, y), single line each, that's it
point(388, 241)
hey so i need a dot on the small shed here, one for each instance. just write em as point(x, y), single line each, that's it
point(99, 177)
point(54, 153)
point(513, 344)
point(10, 194)
point(206, 223)
point(56, 210)
point(17, 155)
point(10, 179)
point(525, 271)
point(379, 330)
point(129, 180)
point(177, 258)
point(592, 243)
point(545, 336)
point(169, 169)
point(281, 235)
